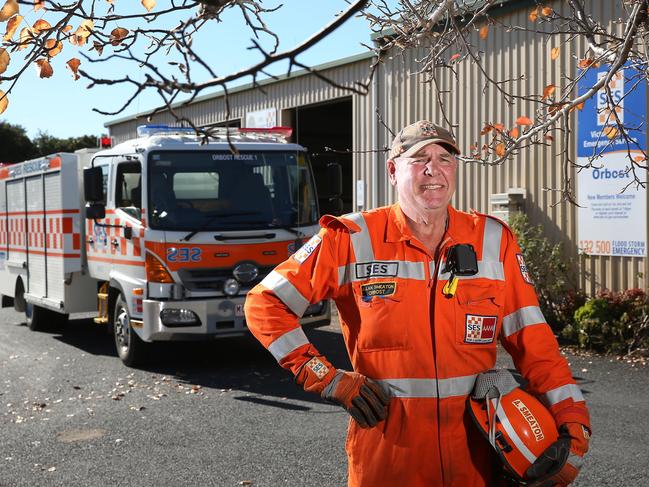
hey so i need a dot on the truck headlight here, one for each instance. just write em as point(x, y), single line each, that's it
point(179, 317)
point(231, 287)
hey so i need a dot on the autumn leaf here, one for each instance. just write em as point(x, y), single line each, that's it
point(579, 106)
point(548, 91)
point(99, 47)
point(66, 29)
point(87, 25)
point(587, 63)
point(454, 57)
point(523, 120)
point(53, 47)
point(148, 4)
point(549, 137)
point(44, 68)
point(547, 11)
point(38, 4)
point(486, 129)
point(484, 32)
point(8, 10)
point(610, 132)
point(499, 127)
point(554, 53)
point(12, 25)
point(4, 101)
point(4, 60)
point(26, 36)
point(636, 158)
point(500, 149)
point(513, 133)
point(117, 35)
point(41, 25)
point(73, 65)
point(534, 15)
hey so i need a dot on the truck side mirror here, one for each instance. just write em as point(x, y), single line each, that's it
point(335, 179)
point(93, 184)
point(95, 211)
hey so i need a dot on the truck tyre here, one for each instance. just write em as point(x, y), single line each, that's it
point(37, 317)
point(130, 347)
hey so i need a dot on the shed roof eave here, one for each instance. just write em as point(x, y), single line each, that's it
point(238, 89)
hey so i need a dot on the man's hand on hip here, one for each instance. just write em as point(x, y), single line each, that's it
point(364, 399)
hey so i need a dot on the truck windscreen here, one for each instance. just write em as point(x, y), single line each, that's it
point(215, 191)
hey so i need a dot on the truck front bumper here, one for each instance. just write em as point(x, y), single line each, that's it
point(216, 318)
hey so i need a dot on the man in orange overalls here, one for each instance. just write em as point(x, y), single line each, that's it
point(417, 330)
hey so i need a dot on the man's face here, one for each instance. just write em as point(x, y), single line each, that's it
point(425, 181)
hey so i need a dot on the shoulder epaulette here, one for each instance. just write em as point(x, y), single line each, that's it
point(339, 223)
point(502, 222)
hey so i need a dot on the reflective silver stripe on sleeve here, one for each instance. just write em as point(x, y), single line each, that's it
point(405, 270)
point(511, 432)
point(361, 241)
point(575, 460)
point(422, 388)
point(486, 269)
point(287, 292)
point(288, 342)
point(519, 319)
point(569, 391)
point(491, 240)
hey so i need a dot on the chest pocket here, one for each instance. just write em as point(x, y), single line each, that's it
point(383, 321)
point(478, 312)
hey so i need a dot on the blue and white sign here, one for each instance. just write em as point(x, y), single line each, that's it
point(612, 218)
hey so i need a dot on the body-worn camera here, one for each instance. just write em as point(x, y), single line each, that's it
point(461, 260)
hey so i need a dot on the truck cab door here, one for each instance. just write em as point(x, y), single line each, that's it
point(126, 235)
point(97, 244)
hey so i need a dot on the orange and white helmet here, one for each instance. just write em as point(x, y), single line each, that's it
point(517, 425)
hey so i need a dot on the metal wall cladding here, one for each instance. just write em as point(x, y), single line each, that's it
point(405, 96)
point(298, 90)
point(399, 96)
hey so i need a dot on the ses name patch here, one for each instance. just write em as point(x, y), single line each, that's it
point(381, 289)
point(307, 249)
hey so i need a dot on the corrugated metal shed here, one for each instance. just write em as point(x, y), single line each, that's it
point(299, 89)
point(400, 96)
point(404, 97)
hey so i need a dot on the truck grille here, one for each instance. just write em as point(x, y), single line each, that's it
point(211, 279)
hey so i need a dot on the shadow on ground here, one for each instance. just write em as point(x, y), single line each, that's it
point(239, 364)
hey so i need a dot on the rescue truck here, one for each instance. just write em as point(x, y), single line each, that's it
point(160, 237)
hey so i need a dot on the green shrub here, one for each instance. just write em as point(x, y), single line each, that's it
point(612, 323)
point(554, 278)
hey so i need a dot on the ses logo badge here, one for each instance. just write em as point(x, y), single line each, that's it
point(480, 329)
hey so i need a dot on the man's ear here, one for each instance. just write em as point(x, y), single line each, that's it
point(392, 171)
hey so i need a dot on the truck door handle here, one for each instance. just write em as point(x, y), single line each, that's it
point(115, 242)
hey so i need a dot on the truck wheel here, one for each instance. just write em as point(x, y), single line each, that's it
point(130, 347)
point(37, 317)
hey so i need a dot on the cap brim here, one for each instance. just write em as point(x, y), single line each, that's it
point(423, 143)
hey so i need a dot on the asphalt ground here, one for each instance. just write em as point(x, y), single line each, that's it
point(224, 414)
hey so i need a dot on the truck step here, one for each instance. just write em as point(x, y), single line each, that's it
point(101, 320)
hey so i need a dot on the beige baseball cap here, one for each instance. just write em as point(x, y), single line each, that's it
point(412, 138)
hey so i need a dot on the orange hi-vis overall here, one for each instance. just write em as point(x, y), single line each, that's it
point(401, 330)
